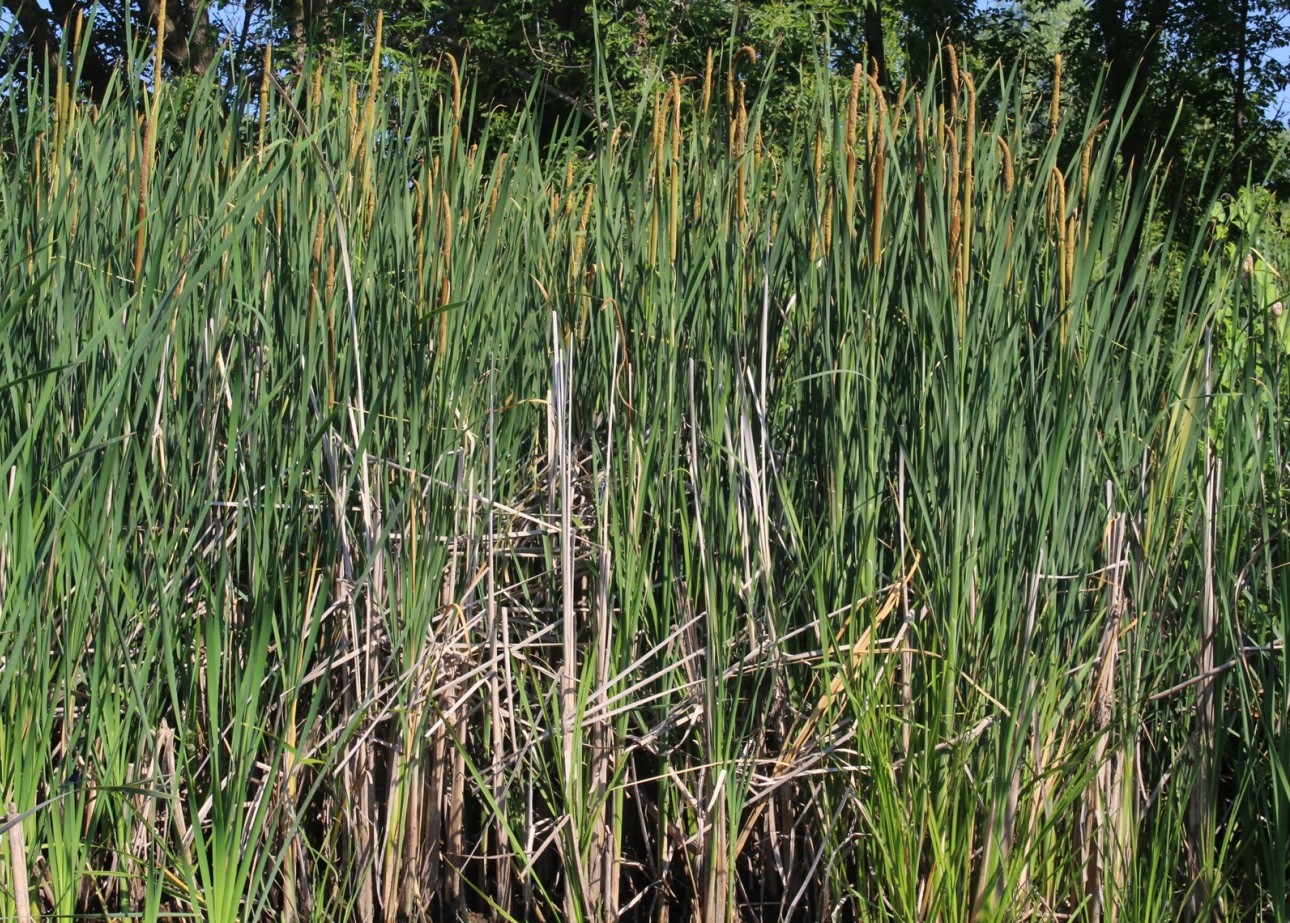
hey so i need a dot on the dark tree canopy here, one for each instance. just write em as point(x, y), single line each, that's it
point(1197, 70)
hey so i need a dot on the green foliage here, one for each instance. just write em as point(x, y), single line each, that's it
point(717, 515)
point(1250, 316)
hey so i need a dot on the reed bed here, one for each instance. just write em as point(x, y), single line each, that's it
point(690, 521)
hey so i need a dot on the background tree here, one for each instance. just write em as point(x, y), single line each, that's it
point(193, 34)
point(1194, 72)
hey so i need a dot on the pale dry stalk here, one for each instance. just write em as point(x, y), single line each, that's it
point(18, 867)
point(1103, 828)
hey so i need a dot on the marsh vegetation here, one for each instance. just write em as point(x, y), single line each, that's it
point(681, 521)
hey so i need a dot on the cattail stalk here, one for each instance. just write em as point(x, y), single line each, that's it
point(657, 157)
point(265, 80)
point(445, 285)
point(456, 100)
point(954, 180)
point(965, 237)
point(150, 144)
point(920, 175)
point(1086, 171)
point(875, 239)
point(674, 214)
point(374, 78)
point(737, 150)
point(367, 194)
point(1058, 212)
point(899, 109)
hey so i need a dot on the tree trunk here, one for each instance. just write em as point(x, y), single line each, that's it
point(40, 28)
point(873, 39)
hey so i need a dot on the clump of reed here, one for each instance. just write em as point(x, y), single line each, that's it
point(698, 520)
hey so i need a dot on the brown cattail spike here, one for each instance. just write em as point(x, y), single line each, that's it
point(660, 116)
point(456, 104)
point(954, 82)
point(732, 78)
point(1008, 181)
point(707, 84)
point(1009, 177)
point(1069, 264)
point(1055, 109)
point(497, 184)
point(954, 179)
point(1086, 162)
point(828, 222)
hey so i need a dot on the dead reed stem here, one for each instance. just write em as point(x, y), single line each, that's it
point(1103, 818)
point(18, 867)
